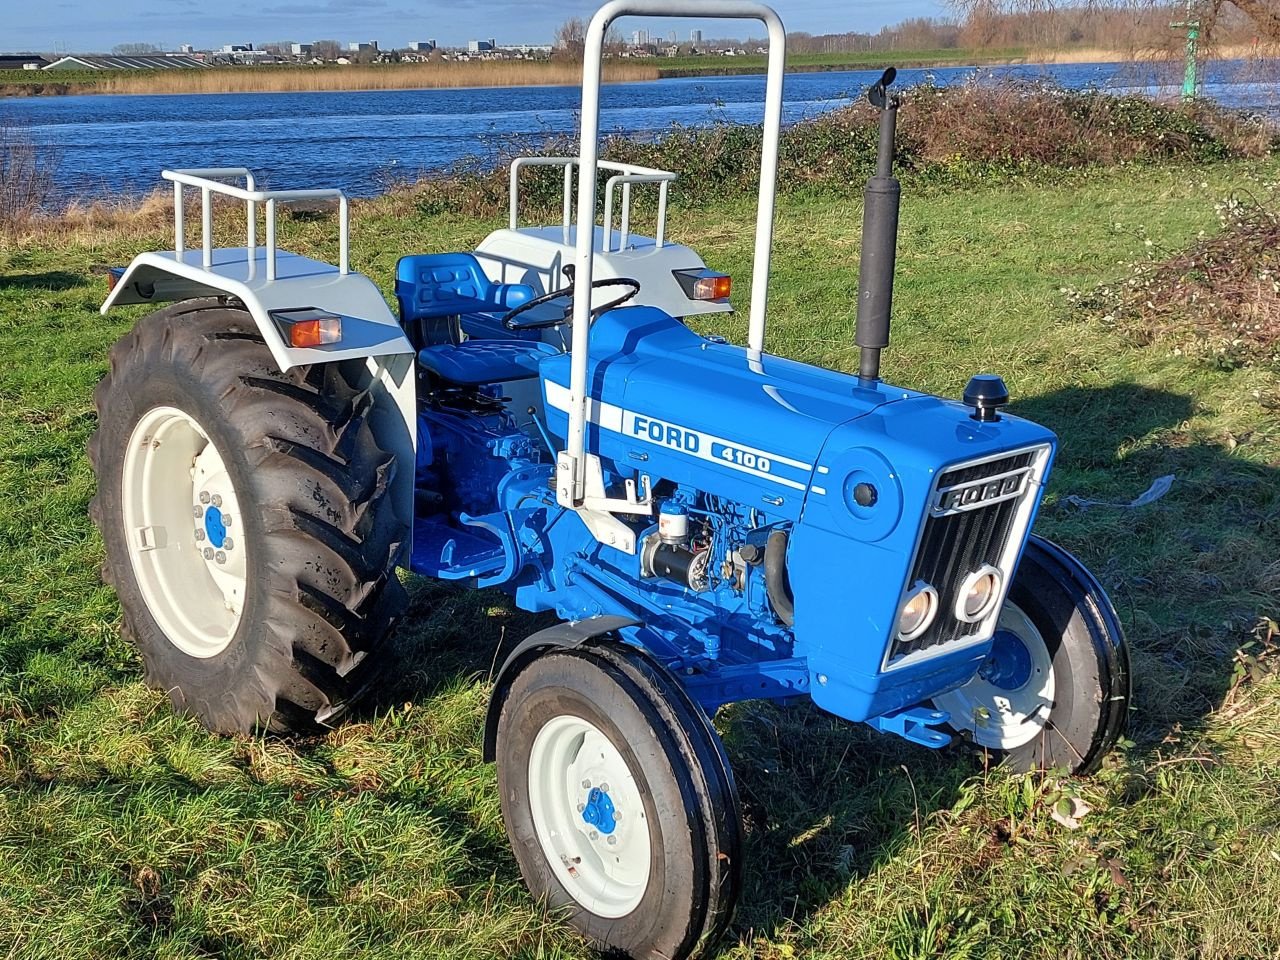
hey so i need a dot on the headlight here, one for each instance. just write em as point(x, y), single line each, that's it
point(918, 611)
point(978, 594)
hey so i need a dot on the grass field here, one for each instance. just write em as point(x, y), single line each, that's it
point(126, 832)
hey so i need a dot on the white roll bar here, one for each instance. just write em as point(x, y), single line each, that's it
point(208, 182)
point(589, 163)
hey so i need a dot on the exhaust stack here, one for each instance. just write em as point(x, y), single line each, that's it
point(881, 200)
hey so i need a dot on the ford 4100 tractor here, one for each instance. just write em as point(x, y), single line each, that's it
point(709, 522)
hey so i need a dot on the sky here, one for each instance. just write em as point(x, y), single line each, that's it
point(87, 26)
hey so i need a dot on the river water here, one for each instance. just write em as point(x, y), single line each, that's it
point(360, 141)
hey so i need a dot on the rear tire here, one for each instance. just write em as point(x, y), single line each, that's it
point(283, 629)
point(599, 744)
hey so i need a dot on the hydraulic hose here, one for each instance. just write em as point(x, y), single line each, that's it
point(776, 582)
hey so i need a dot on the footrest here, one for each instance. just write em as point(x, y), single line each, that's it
point(915, 724)
point(448, 554)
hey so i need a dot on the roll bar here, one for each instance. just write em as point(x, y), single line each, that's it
point(589, 164)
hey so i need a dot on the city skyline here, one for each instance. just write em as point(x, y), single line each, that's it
point(82, 26)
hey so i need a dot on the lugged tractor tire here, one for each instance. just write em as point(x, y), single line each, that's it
point(314, 544)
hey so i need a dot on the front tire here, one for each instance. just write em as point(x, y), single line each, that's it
point(619, 803)
point(248, 521)
point(1054, 692)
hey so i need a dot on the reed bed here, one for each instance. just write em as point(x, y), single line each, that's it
point(414, 76)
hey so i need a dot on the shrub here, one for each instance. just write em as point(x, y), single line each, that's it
point(949, 136)
point(1218, 300)
point(26, 175)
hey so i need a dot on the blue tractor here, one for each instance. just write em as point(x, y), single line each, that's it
point(709, 522)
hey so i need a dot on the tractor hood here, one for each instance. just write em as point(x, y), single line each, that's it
point(702, 411)
point(765, 431)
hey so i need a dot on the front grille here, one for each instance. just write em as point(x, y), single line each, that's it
point(969, 525)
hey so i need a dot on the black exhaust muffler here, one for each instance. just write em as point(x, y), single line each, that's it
point(881, 201)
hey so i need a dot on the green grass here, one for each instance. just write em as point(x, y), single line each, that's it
point(128, 832)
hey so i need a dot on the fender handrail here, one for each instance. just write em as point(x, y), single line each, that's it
point(628, 173)
point(210, 181)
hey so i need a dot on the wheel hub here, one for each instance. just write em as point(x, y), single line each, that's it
point(1008, 666)
point(1007, 702)
point(589, 816)
point(599, 811)
point(178, 507)
point(214, 527)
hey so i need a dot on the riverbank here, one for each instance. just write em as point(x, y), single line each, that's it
point(479, 74)
point(309, 79)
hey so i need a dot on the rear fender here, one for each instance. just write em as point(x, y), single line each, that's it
point(369, 329)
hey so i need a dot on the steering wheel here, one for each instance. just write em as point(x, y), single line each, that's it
point(567, 292)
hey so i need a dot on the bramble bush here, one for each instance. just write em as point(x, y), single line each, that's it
point(948, 137)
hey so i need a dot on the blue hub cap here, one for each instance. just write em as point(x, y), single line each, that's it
point(1008, 666)
point(599, 811)
point(214, 528)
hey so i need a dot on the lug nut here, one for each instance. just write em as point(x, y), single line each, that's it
point(220, 557)
point(204, 496)
point(227, 544)
point(604, 788)
point(199, 534)
point(586, 784)
point(617, 814)
point(208, 553)
point(612, 840)
point(197, 511)
point(594, 835)
point(581, 807)
point(226, 519)
point(217, 500)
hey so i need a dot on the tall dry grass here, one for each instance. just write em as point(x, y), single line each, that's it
point(26, 175)
point(409, 76)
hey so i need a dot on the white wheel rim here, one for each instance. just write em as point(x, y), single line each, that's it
point(998, 717)
point(606, 871)
point(188, 556)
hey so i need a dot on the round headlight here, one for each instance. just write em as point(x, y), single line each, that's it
point(917, 612)
point(978, 594)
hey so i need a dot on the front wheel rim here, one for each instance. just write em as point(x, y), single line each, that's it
point(1007, 706)
point(589, 816)
point(184, 532)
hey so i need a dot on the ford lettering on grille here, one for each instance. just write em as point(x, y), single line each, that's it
point(978, 493)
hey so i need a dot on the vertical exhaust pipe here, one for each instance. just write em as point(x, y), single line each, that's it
point(881, 200)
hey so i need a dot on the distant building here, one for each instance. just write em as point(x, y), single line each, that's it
point(360, 46)
point(527, 49)
point(482, 46)
point(423, 46)
point(237, 48)
point(695, 36)
point(301, 49)
point(187, 48)
point(159, 62)
point(640, 38)
point(22, 61)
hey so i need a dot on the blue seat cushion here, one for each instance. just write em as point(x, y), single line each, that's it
point(452, 284)
point(476, 362)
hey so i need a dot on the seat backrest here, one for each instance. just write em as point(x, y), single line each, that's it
point(451, 284)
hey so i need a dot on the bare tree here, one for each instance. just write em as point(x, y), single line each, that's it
point(571, 39)
point(326, 49)
point(980, 15)
point(135, 49)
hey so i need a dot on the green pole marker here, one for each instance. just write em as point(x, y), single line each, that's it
point(1189, 78)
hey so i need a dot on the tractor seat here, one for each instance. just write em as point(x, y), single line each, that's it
point(474, 363)
point(444, 286)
